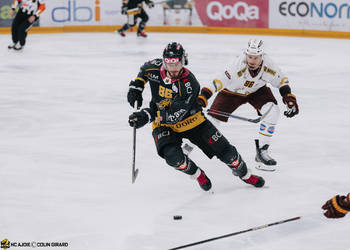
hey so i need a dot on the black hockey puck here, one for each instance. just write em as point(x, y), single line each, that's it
point(177, 217)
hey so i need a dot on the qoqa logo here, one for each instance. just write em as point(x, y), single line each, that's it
point(302, 9)
point(75, 13)
point(240, 10)
point(171, 60)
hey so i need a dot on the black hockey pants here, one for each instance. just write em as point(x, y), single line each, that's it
point(20, 27)
point(144, 18)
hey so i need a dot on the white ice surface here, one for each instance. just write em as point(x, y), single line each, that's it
point(66, 148)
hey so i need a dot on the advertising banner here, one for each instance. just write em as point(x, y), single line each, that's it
point(80, 12)
point(5, 18)
point(330, 15)
point(233, 13)
point(108, 12)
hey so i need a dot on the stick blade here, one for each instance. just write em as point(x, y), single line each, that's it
point(134, 175)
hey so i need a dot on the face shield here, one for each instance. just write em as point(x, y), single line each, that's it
point(173, 66)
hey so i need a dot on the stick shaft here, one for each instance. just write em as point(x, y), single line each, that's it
point(236, 233)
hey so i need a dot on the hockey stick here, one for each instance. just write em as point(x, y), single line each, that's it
point(161, 2)
point(236, 233)
point(224, 114)
point(135, 171)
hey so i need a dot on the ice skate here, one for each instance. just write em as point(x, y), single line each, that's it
point(18, 47)
point(120, 32)
point(142, 34)
point(11, 46)
point(203, 180)
point(256, 181)
point(265, 162)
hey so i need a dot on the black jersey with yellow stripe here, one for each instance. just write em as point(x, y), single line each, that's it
point(172, 99)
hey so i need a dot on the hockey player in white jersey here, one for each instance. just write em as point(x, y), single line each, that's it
point(246, 81)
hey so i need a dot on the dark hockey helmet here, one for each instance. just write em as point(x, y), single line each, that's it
point(175, 52)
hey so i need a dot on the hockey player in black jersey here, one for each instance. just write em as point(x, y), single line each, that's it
point(29, 12)
point(134, 10)
point(176, 114)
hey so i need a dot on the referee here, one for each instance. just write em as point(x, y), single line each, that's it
point(29, 11)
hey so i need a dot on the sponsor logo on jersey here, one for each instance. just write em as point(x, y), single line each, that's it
point(270, 71)
point(186, 124)
point(161, 135)
point(241, 72)
point(262, 127)
point(188, 87)
point(271, 130)
point(153, 77)
point(215, 137)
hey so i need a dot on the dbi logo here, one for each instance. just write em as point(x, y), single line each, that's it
point(5, 244)
point(74, 13)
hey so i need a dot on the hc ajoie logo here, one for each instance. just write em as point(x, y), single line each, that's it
point(5, 244)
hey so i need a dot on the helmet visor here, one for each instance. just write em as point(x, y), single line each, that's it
point(173, 64)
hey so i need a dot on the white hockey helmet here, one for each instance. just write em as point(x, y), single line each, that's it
point(255, 47)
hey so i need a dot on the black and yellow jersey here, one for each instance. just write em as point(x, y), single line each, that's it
point(133, 4)
point(173, 101)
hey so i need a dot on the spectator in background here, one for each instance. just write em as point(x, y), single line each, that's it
point(29, 12)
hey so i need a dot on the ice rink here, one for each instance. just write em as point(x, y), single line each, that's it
point(66, 148)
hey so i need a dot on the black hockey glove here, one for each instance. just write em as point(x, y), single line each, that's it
point(292, 106)
point(337, 207)
point(139, 119)
point(124, 10)
point(135, 93)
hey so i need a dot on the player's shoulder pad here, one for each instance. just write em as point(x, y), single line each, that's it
point(154, 64)
point(269, 66)
point(240, 66)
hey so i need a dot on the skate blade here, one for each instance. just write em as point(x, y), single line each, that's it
point(263, 167)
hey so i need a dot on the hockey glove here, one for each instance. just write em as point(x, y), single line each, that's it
point(203, 97)
point(292, 106)
point(139, 119)
point(124, 10)
point(337, 207)
point(135, 94)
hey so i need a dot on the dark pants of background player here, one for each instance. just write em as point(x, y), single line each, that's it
point(227, 101)
point(20, 26)
point(206, 136)
point(144, 18)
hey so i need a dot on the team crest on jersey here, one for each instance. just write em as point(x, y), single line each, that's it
point(167, 80)
point(164, 104)
point(228, 75)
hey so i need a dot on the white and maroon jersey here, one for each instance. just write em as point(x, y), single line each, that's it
point(236, 77)
point(30, 7)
